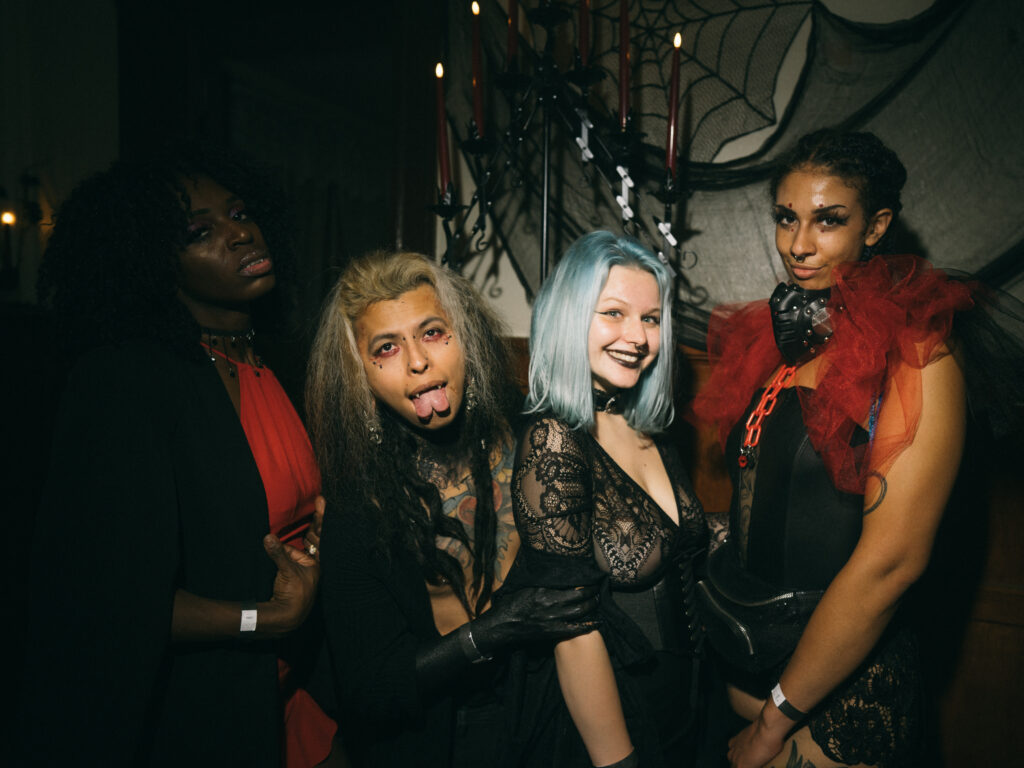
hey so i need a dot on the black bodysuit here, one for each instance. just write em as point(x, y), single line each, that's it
point(582, 520)
point(795, 530)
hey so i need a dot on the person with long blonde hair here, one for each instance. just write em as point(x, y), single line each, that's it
point(410, 400)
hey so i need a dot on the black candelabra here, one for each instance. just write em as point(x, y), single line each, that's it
point(539, 97)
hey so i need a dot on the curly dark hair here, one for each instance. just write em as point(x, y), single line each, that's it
point(111, 269)
point(860, 159)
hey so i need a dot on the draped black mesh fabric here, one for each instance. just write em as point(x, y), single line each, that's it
point(731, 53)
point(931, 87)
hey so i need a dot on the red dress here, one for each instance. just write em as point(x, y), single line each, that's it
point(291, 479)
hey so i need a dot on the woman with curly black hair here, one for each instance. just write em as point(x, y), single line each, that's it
point(169, 562)
point(842, 412)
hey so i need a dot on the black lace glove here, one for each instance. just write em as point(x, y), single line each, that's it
point(526, 616)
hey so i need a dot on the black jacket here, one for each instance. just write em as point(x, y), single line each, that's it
point(152, 487)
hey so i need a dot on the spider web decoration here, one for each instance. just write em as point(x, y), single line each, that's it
point(730, 58)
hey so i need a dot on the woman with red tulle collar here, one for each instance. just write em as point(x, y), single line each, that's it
point(842, 413)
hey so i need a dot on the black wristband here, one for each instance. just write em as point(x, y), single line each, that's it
point(784, 706)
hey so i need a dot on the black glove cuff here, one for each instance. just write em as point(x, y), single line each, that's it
point(469, 646)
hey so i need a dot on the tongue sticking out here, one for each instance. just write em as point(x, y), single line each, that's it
point(430, 401)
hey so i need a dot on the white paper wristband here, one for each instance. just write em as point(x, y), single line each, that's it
point(248, 623)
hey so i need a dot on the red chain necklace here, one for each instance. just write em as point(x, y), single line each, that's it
point(781, 380)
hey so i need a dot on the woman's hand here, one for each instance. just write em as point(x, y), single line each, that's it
point(294, 588)
point(312, 537)
point(525, 616)
point(760, 741)
point(536, 613)
point(198, 619)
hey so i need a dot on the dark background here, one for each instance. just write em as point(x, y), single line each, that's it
point(337, 96)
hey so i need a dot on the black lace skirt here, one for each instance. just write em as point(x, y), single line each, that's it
point(875, 716)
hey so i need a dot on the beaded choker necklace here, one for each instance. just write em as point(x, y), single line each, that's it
point(224, 344)
point(233, 337)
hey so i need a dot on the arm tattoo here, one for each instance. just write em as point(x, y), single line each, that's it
point(883, 486)
point(795, 760)
point(506, 538)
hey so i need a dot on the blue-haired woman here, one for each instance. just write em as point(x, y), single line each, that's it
point(601, 496)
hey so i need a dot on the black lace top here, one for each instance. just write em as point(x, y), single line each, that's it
point(583, 520)
point(572, 500)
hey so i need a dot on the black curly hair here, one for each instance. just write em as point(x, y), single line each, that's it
point(860, 159)
point(111, 269)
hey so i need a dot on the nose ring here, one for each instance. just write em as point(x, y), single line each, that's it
point(800, 259)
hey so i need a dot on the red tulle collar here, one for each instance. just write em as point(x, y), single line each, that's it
point(893, 316)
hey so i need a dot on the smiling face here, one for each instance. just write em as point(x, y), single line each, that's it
point(225, 265)
point(625, 332)
point(413, 361)
point(819, 224)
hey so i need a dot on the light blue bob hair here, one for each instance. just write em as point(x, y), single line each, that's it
point(560, 378)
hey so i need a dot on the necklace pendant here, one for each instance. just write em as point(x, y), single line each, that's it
point(747, 457)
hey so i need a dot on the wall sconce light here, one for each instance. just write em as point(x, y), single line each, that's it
point(8, 218)
point(18, 214)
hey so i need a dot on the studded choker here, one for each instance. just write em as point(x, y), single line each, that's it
point(606, 401)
